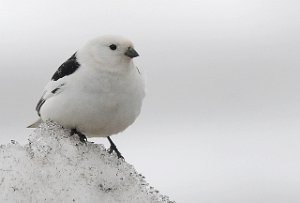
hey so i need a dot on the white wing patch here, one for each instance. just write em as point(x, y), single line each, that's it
point(52, 88)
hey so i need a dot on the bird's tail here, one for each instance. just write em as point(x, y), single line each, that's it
point(35, 124)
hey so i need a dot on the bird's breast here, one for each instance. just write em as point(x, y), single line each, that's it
point(101, 106)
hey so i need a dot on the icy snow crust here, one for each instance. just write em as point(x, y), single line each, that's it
point(57, 167)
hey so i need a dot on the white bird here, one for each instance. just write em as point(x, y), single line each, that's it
point(97, 92)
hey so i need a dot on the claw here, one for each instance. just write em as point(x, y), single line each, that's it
point(81, 136)
point(113, 148)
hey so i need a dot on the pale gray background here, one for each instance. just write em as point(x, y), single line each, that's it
point(221, 119)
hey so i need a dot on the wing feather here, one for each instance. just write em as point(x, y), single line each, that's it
point(67, 68)
point(54, 87)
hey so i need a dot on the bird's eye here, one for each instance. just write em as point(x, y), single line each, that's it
point(113, 47)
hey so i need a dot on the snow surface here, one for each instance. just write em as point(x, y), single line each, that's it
point(57, 167)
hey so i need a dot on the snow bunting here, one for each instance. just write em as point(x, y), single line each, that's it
point(97, 92)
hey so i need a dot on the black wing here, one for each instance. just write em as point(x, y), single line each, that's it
point(39, 105)
point(67, 68)
point(47, 94)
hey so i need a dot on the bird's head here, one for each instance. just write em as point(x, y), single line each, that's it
point(109, 51)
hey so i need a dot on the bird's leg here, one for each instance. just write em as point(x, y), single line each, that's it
point(81, 136)
point(114, 148)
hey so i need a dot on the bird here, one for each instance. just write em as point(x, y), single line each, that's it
point(97, 92)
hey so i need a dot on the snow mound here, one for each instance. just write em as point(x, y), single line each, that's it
point(57, 167)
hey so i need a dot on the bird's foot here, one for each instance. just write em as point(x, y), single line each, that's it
point(81, 136)
point(113, 148)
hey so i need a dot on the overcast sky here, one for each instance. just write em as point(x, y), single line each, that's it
point(221, 119)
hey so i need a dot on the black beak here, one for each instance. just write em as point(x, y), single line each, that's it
point(131, 52)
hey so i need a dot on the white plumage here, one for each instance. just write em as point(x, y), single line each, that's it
point(104, 93)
